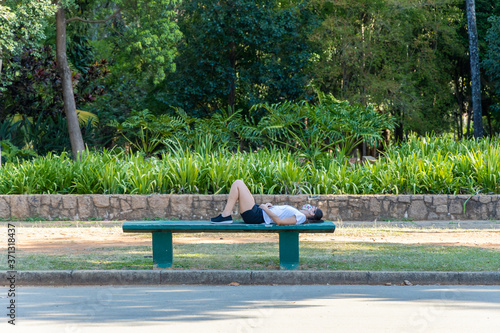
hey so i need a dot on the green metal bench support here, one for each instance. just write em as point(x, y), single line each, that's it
point(289, 249)
point(163, 255)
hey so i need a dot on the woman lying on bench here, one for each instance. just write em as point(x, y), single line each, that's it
point(265, 213)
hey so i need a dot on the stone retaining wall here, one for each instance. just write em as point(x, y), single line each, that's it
point(202, 207)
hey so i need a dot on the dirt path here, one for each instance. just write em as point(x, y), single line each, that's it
point(53, 239)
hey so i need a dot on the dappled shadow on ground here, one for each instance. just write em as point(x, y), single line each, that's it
point(127, 305)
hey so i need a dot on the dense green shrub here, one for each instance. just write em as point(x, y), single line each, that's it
point(46, 134)
point(35, 89)
point(329, 124)
point(313, 131)
point(420, 166)
point(11, 153)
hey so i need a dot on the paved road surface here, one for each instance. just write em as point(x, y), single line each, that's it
point(255, 309)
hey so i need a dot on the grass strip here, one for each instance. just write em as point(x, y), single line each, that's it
point(264, 256)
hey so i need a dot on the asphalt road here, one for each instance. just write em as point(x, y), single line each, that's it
point(338, 308)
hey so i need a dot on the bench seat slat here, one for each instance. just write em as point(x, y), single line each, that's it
point(236, 226)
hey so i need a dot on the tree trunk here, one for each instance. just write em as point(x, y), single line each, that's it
point(487, 114)
point(474, 69)
point(398, 132)
point(460, 102)
point(469, 117)
point(75, 134)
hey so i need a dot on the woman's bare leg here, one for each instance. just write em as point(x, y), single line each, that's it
point(239, 193)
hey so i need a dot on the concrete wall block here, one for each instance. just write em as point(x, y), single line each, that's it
point(439, 200)
point(418, 210)
point(441, 209)
point(392, 198)
point(124, 206)
point(343, 214)
point(65, 214)
point(263, 198)
point(158, 205)
point(5, 207)
point(219, 202)
point(355, 215)
point(56, 200)
point(34, 202)
point(355, 202)
point(470, 210)
point(491, 208)
point(114, 202)
point(205, 197)
point(398, 210)
point(476, 198)
point(85, 207)
point(336, 203)
point(375, 206)
point(332, 204)
point(484, 212)
point(208, 206)
point(181, 206)
point(331, 213)
point(101, 200)
point(485, 199)
point(277, 200)
point(296, 200)
point(46, 212)
point(404, 198)
point(433, 216)
point(138, 202)
point(45, 200)
point(33, 205)
point(69, 202)
point(323, 205)
point(19, 207)
point(131, 215)
point(103, 214)
point(457, 207)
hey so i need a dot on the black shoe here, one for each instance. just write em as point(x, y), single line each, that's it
point(222, 220)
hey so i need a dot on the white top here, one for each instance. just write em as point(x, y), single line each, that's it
point(284, 212)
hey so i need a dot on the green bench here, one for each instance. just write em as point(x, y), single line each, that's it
point(162, 236)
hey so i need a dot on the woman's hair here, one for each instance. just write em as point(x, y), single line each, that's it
point(317, 216)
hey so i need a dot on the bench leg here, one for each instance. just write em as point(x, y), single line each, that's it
point(162, 249)
point(289, 249)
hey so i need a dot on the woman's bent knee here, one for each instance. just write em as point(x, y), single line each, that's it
point(238, 182)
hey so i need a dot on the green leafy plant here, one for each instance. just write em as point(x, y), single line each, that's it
point(329, 125)
point(430, 165)
point(11, 153)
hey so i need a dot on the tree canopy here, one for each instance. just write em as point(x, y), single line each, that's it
point(407, 59)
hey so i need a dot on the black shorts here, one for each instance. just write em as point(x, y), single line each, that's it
point(253, 216)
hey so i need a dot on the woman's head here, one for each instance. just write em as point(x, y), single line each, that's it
point(312, 212)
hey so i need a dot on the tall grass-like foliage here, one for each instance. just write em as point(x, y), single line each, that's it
point(430, 165)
